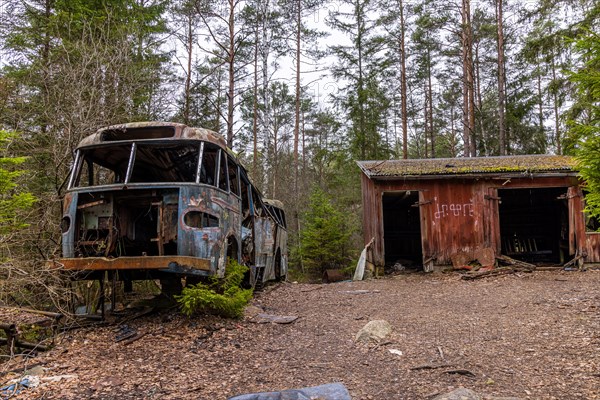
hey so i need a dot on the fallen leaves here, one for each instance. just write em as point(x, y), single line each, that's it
point(510, 334)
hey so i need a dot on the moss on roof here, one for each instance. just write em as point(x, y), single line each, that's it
point(519, 165)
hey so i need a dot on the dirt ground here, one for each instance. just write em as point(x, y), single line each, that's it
point(530, 336)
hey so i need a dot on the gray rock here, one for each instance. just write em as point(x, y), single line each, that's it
point(459, 394)
point(374, 331)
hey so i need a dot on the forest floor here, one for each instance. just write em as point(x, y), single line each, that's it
point(529, 336)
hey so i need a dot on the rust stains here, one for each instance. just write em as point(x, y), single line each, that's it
point(130, 263)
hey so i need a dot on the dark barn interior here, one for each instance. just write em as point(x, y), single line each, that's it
point(402, 228)
point(534, 224)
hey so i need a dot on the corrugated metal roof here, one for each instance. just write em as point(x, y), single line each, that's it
point(475, 166)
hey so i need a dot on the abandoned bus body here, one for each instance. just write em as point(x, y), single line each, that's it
point(154, 199)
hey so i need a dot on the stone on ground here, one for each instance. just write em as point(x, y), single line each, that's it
point(374, 331)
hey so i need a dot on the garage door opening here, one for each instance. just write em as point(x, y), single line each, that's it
point(402, 229)
point(534, 224)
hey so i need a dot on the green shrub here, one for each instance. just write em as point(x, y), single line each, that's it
point(13, 199)
point(220, 296)
point(324, 236)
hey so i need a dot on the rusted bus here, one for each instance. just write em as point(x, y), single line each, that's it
point(427, 211)
point(168, 199)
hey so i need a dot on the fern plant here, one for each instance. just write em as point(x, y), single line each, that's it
point(220, 296)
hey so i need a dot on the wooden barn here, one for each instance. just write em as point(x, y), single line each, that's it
point(426, 212)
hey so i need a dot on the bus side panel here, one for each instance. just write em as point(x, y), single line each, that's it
point(281, 244)
point(265, 240)
point(68, 236)
point(208, 239)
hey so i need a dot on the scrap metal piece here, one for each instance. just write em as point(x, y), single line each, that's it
point(330, 391)
point(277, 319)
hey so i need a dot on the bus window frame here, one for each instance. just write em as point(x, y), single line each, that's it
point(200, 159)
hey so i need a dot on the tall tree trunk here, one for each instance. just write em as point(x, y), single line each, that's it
point(45, 53)
point(275, 157)
point(540, 100)
point(361, 86)
point(471, 81)
point(255, 103)
point(303, 144)
point(265, 51)
point(426, 120)
point(501, 97)
point(297, 120)
point(403, 94)
point(556, 112)
point(219, 101)
point(453, 129)
point(430, 103)
point(465, 77)
point(231, 88)
point(188, 78)
point(478, 97)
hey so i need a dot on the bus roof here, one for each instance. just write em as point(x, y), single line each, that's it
point(274, 203)
point(152, 130)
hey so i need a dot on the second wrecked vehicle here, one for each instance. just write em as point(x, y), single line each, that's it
point(159, 200)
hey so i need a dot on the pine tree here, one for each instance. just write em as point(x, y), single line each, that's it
point(360, 64)
point(230, 39)
point(324, 238)
point(395, 16)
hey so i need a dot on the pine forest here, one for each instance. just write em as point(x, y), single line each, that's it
point(300, 90)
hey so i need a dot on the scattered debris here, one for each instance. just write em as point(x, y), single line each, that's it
point(146, 310)
point(16, 386)
point(397, 267)
point(574, 261)
point(276, 319)
point(330, 391)
point(124, 332)
point(464, 372)
point(359, 291)
point(430, 366)
point(515, 267)
point(374, 331)
point(359, 272)
point(58, 378)
point(518, 263)
point(311, 289)
point(137, 336)
point(333, 275)
point(252, 311)
point(12, 339)
point(395, 351)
